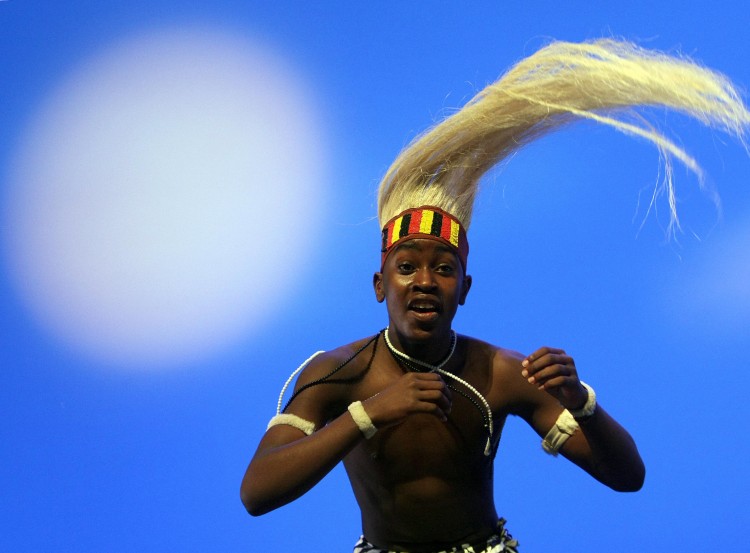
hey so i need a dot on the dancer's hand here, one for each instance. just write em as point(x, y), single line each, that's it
point(554, 371)
point(412, 393)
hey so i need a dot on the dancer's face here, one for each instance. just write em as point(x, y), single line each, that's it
point(423, 284)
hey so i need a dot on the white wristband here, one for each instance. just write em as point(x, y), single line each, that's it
point(362, 419)
point(589, 407)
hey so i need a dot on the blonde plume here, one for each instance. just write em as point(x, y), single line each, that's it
point(557, 85)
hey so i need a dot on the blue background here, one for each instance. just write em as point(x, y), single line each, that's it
point(100, 460)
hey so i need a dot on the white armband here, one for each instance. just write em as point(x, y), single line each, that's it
point(362, 419)
point(564, 427)
point(293, 420)
point(566, 424)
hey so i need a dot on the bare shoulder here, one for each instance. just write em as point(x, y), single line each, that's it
point(501, 360)
point(508, 390)
point(346, 359)
point(315, 391)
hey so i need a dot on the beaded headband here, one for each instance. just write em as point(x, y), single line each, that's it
point(425, 222)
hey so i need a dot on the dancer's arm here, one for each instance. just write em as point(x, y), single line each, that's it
point(601, 446)
point(288, 463)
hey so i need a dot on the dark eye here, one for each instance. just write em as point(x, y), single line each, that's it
point(405, 267)
point(445, 269)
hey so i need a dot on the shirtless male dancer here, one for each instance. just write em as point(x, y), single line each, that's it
point(415, 411)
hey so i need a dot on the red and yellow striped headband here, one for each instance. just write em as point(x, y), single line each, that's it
point(425, 222)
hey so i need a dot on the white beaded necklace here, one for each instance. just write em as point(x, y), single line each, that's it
point(410, 359)
point(439, 369)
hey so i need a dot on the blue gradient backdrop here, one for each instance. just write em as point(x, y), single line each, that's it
point(116, 459)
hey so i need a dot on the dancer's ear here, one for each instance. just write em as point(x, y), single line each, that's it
point(377, 284)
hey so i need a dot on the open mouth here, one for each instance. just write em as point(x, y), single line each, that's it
point(424, 307)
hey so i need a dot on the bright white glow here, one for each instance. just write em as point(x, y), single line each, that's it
point(159, 201)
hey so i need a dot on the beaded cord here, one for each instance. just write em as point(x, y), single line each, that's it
point(413, 364)
point(324, 379)
point(291, 376)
